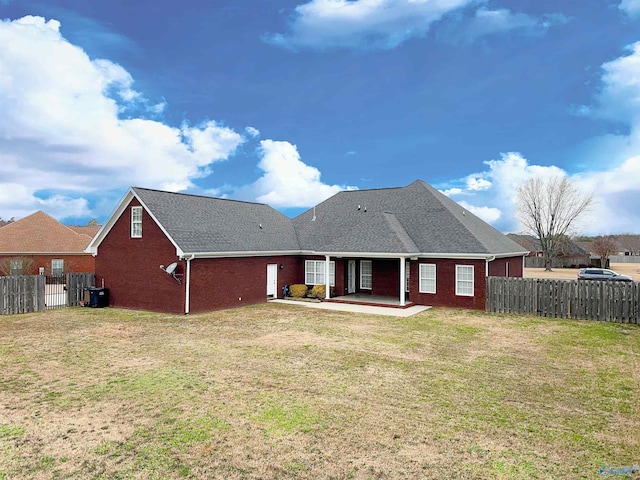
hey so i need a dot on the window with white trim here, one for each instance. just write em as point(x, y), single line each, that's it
point(427, 277)
point(464, 280)
point(57, 267)
point(314, 272)
point(136, 222)
point(366, 274)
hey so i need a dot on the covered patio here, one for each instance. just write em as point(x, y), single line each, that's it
point(373, 300)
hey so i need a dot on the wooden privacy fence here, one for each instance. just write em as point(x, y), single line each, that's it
point(578, 299)
point(22, 294)
point(34, 293)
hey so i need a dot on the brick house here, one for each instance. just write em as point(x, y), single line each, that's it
point(39, 244)
point(412, 243)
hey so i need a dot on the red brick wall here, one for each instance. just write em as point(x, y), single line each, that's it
point(218, 283)
point(446, 284)
point(72, 263)
point(130, 267)
point(498, 267)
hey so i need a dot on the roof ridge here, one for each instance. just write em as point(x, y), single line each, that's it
point(400, 231)
point(198, 196)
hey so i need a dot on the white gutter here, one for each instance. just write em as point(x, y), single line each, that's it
point(193, 255)
point(489, 259)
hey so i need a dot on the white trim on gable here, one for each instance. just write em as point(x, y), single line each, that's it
point(115, 216)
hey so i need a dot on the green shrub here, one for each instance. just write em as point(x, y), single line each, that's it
point(297, 290)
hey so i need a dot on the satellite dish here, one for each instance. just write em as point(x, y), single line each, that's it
point(171, 268)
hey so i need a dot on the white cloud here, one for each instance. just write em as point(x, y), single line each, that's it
point(287, 181)
point(630, 7)
point(491, 194)
point(488, 214)
point(616, 193)
point(478, 184)
point(252, 132)
point(362, 23)
point(619, 98)
point(386, 24)
point(491, 22)
point(76, 125)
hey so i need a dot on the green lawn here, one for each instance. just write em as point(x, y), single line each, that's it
point(278, 391)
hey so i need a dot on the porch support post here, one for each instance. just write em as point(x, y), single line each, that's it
point(327, 280)
point(402, 282)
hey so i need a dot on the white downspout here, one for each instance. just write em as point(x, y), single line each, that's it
point(187, 299)
point(487, 260)
point(402, 282)
point(327, 280)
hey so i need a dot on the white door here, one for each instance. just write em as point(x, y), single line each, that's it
point(351, 276)
point(272, 280)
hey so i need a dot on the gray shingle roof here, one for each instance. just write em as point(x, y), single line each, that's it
point(204, 224)
point(412, 219)
point(406, 220)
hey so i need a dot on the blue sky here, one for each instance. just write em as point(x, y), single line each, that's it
point(288, 102)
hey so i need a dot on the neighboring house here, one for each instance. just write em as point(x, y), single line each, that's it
point(528, 242)
point(39, 244)
point(412, 243)
point(571, 254)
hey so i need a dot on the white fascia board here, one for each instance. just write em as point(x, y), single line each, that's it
point(84, 252)
point(115, 216)
point(461, 256)
point(179, 251)
point(238, 254)
point(361, 254)
point(92, 248)
point(513, 254)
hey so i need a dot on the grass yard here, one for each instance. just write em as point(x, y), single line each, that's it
point(278, 391)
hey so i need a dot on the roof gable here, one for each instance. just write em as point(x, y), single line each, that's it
point(200, 224)
point(41, 233)
point(424, 221)
point(207, 226)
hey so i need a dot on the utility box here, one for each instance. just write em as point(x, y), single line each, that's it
point(98, 297)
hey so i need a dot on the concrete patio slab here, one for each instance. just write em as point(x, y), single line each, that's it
point(347, 307)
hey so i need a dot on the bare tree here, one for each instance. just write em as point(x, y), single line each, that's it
point(550, 209)
point(630, 242)
point(17, 266)
point(604, 247)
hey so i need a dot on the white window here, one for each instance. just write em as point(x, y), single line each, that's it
point(464, 280)
point(314, 272)
point(136, 222)
point(427, 277)
point(366, 274)
point(57, 267)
